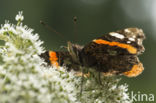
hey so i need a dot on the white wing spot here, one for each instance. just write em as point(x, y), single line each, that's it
point(133, 36)
point(127, 30)
point(117, 35)
point(131, 39)
point(139, 41)
point(128, 42)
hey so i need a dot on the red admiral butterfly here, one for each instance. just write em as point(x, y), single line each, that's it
point(115, 53)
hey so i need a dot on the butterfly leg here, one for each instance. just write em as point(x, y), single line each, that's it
point(99, 73)
point(99, 78)
point(82, 80)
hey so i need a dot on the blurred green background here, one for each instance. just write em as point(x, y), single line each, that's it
point(94, 17)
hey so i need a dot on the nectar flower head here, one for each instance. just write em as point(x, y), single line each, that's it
point(19, 16)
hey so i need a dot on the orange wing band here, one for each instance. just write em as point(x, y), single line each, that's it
point(130, 48)
point(53, 58)
point(135, 71)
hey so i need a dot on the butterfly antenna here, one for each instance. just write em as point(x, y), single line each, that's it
point(51, 29)
point(75, 27)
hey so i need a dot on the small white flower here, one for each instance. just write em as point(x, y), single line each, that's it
point(19, 16)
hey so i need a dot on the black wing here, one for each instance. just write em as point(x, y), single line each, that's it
point(115, 52)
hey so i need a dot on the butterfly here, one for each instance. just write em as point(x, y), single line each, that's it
point(114, 53)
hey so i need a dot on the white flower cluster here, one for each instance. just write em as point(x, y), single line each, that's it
point(24, 79)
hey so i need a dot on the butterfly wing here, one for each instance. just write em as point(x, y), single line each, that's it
point(115, 52)
point(122, 42)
